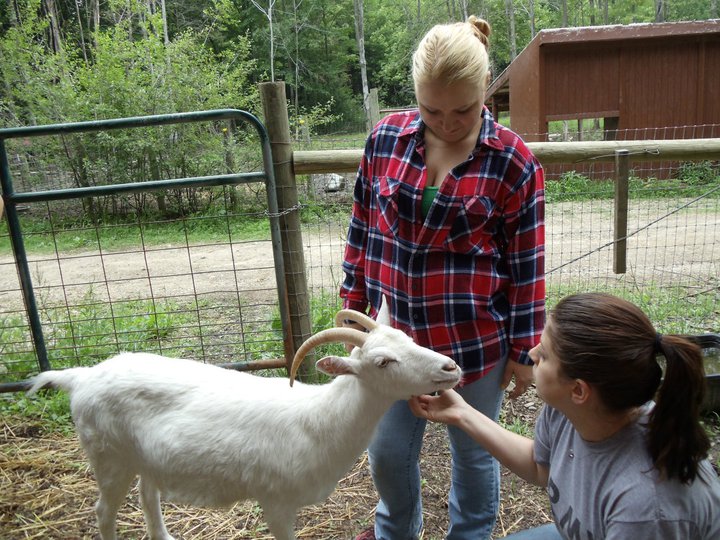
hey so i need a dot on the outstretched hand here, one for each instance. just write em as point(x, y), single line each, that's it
point(447, 407)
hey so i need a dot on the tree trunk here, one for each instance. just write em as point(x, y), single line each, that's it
point(269, 16)
point(360, 37)
point(531, 17)
point(82, 32)
point(54, 29)
point(510, 12)
point(659, 11)
point(96, 22)
point(13, 15)
point(166, 39)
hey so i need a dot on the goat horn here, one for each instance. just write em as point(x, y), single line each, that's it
point(350, 314)
point(331, 335)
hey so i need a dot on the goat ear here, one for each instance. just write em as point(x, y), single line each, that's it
point(335, 365)
point(383, 316)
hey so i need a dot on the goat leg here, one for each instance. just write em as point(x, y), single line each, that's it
point(150, 501)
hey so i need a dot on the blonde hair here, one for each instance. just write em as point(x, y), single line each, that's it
point(454, 52)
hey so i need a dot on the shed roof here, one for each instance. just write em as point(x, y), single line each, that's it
point(589, 35)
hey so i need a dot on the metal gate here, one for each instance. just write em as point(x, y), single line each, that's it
point(13, 199)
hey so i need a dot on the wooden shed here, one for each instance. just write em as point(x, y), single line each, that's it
point(641, 81)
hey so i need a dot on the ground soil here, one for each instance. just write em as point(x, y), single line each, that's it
point(47, 491)
point(678, 246)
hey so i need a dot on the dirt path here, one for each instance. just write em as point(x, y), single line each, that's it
point(684, 245)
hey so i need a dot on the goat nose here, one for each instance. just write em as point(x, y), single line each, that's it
point(450, 366)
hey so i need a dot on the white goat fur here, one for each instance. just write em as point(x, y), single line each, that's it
point(209, 436)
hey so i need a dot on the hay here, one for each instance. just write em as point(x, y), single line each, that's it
point(47, 491)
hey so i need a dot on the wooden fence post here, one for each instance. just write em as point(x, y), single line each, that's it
point(622, 171)
point(275, 112)
point(374, 108)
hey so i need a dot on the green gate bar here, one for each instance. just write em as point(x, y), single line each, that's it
point(11, 199)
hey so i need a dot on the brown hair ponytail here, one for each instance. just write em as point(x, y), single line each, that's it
point(612, 345)
point(676, 440)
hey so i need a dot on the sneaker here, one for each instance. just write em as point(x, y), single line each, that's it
point(367, 534)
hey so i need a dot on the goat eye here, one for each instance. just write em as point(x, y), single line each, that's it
point(382, 362)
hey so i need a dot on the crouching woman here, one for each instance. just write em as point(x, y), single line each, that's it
point(621, 453)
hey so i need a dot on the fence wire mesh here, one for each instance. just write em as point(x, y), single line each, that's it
point(673, 238)
point(184, 272)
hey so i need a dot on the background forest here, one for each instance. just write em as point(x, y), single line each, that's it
point(72, 60)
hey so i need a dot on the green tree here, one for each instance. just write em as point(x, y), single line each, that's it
point(133, 72)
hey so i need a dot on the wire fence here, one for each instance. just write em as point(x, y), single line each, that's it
point(201, 284)
point(673, 229)
point(673, 243)
point(183, 271)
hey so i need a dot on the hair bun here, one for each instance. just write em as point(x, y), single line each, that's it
point(482, 29)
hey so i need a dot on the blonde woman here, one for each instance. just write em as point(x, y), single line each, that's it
point(448, 225)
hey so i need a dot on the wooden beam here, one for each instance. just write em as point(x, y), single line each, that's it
point(325, 161)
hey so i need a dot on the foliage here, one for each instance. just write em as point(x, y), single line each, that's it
point(671, 308)
point(306, 122)
point(692, 180)
point(701, 173)
point(323, 307)
point(49, 410)
point(217, 49)
point(575, 186)
point(129, 75)
point(91, 332)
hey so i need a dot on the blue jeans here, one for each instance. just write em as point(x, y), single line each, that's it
point(544, 532)
point(394, 455)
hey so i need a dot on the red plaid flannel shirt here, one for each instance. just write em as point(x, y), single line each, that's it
point(467, 280)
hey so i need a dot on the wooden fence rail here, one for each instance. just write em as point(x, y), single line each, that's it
point(327, 161)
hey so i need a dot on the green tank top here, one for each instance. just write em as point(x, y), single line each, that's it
point(428, 197)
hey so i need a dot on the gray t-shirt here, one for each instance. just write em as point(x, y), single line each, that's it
point(610, 489)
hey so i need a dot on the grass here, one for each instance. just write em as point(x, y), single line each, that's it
point(672, 309)
point(50, 411)
point(87, 334)
point(90, 332)
point(70, 234)
point(692, 180)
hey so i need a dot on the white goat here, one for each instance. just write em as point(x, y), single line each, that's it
point(208, 436)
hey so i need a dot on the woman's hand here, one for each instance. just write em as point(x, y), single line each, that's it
point(523, 378)
point(448, 407)
point(512, 450)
